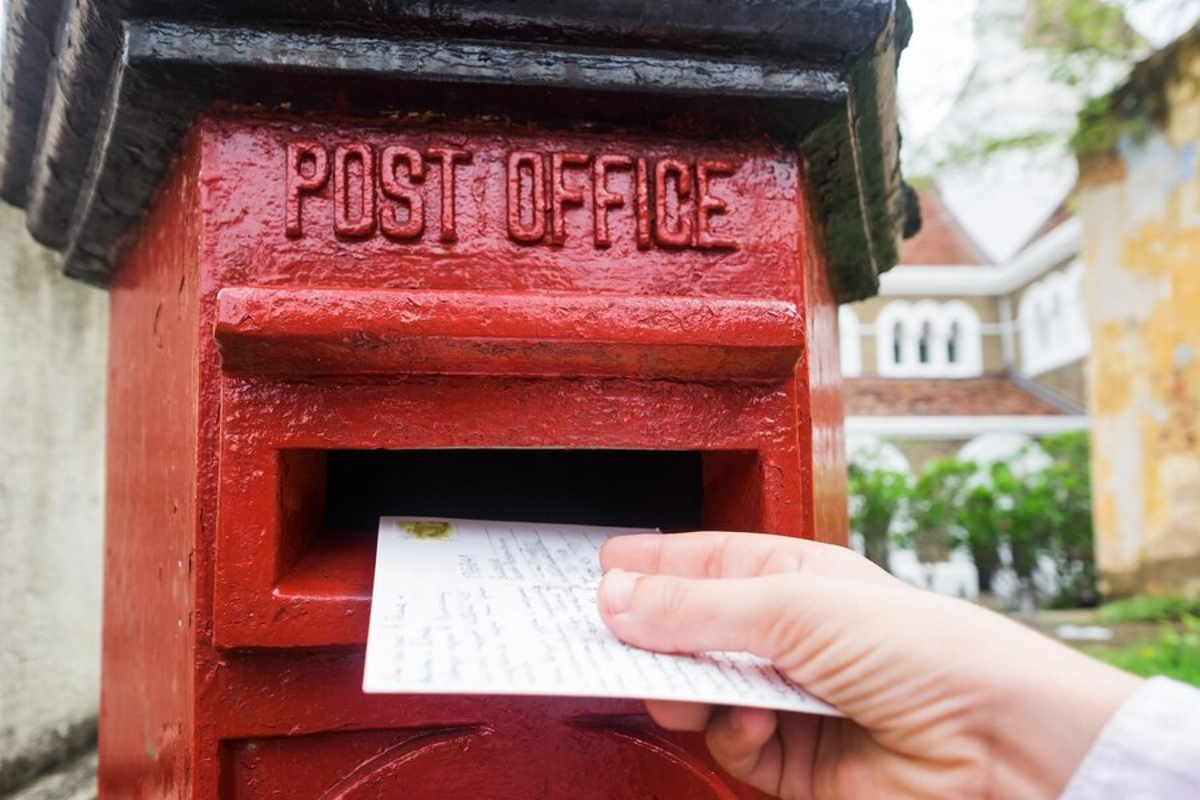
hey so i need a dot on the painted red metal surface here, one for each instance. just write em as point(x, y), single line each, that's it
point(358, 332)
point(307, 286)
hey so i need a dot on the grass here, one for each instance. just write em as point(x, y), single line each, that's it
point(1174, 652)
point(1149, 609)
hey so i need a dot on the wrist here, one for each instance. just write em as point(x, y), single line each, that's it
point(1052, 703)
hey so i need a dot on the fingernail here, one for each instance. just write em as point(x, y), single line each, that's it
point(618, 590)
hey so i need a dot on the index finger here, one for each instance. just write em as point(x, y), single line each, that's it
point(713, 554)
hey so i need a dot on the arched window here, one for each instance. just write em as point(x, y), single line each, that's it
point(850, 341)
point(891, 338)
point(1058, 320)
point(925, 343)
point(1051, 322)
point(928, 339)
point(962, 332)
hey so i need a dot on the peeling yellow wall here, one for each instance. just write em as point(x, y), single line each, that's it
point(1142, 286)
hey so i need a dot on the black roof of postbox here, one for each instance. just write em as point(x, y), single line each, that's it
point(98, 93)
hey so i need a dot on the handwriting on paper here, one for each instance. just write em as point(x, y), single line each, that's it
point(471, 607)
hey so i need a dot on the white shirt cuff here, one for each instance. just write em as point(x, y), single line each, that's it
point(1149, 750)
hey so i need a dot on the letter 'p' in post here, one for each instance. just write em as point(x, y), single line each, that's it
point(519, 162)
point(298, 155)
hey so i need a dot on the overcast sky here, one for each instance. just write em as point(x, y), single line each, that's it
point(937, 62)
point(1161, 21)
point(944, 50)
point(1001, 201)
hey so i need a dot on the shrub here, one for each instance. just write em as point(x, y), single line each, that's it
point(1150, 609)
point(876, 498)
point(935, 504)
point(980, 525)
point(1174, 653)
point(1034, 513)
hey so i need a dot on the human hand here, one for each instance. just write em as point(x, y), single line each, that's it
point(943, 699)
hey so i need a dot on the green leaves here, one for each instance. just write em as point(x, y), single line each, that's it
point(877, 496)
point(1033, 513)
point(1174, 652)
point(1150, 609)
point(1074, 27)
point(935, 504)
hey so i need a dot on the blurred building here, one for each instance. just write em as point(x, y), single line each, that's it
point(1139, 202)
point(961, 355)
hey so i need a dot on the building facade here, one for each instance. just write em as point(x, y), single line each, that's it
point(961, 354)
point(1139, 202)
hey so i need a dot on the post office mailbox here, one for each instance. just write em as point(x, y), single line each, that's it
point(565, 263)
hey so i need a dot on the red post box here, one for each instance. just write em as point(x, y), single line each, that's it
point(504, 260)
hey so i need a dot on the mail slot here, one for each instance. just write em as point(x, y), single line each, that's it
point(519, 261)
point(330, 503)
point(298, 503)
point(626, 488)
point(645, 489)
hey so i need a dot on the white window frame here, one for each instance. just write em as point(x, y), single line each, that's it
point(912, 319)
point(850, 342)
point(1053, 305)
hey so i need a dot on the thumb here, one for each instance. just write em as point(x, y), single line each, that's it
point(768, 616)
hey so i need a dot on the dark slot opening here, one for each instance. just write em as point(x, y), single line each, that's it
point(589, 487)
point(331, 501)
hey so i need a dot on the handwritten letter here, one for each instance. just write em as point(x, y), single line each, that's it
point(470, 607)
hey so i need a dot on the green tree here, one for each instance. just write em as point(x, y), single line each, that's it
point(1033, 513)
point(1078, 48)
point(1068, 481)
point(1023, 519)
point(876, 497)
point(979, 522)
point(1048, 513)
point(935, 503)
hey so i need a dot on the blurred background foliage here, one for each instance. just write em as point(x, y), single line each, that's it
point(1025, 519)
point(1006, 515)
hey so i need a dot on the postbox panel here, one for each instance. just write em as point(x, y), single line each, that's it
point(314, 734)
point(336, 358)
point(416, 203)
point(307, 469)
point(319, 332)
point(595, 758)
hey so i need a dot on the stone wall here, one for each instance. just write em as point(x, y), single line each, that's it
point(1140, 205)
point(54, 336)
